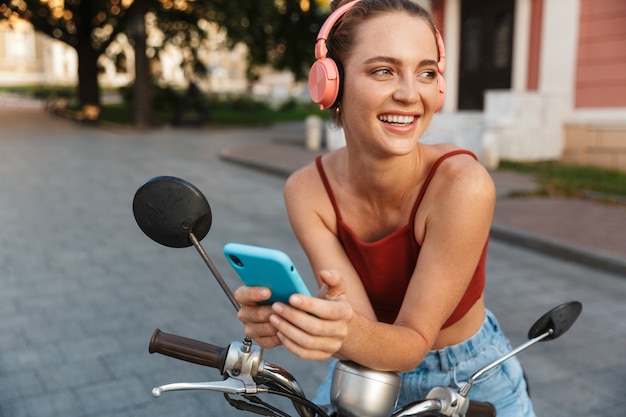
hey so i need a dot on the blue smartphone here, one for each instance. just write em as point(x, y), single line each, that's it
point(264, 267)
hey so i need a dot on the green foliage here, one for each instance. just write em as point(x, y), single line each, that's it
point(290, 104)
point(162, 98)
point(42, 92)
point(238, 110)
point(240, 104)
point(572, 180)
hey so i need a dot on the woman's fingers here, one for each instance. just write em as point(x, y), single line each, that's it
point(255, 317)
point(245, 295)
point(334, 285)
point(310, 327)
point(305, 344)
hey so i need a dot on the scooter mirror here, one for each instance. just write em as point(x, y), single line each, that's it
point(169, 209)
point(550, 326)
point(559, 320)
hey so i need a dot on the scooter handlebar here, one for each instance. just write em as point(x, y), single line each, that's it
point(480, 409)
point(188, 350)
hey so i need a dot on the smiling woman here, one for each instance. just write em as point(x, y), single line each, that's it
point(396, 231)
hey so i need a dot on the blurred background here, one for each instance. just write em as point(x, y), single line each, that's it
point(529, 80)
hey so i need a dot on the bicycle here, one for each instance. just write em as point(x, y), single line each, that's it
point(175, 213)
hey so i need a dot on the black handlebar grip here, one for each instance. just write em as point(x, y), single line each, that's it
point(478, 409)
point(188, 350)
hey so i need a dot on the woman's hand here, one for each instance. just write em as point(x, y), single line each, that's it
point(256, 317)
point(314, 328)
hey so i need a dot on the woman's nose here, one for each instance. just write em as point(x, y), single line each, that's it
point(406, 90)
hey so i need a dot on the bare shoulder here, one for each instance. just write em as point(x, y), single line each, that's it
point(302, 182)
point(304, 191)
point(459, 202)
point(462, 174)
point(307, 181)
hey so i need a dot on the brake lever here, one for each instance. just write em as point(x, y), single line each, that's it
point(242, 385)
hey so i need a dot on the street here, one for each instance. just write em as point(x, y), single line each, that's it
point(82, 289)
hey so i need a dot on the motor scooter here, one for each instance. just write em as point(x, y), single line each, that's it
point(175, 213)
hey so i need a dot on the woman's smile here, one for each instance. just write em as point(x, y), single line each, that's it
point(397, 120)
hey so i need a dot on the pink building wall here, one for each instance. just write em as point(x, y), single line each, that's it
point(601, 61)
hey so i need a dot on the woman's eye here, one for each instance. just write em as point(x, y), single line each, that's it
point(428, 74)
point(382, 71)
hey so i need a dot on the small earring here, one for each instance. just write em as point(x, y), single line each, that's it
point(338, 109)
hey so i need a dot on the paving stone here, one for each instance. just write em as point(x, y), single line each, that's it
point(82, 289)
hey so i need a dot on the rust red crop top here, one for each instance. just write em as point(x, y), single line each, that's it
point(386, 266)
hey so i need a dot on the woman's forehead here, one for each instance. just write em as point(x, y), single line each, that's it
point(395, 31)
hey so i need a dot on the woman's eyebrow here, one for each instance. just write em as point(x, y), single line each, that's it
point(396, 61)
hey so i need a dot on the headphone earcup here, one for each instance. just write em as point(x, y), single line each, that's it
point(324, 82)
point(441, 83)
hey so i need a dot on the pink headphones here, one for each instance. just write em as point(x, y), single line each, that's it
point(325, 77)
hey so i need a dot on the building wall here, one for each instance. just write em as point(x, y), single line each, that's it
point(534, 44)
point(595, 132)
point(600, 143)
point(573, 106)
point(601, 62)
point(526, 123)
point(20, 53)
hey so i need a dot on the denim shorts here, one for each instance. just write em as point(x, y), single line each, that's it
point(504, 386)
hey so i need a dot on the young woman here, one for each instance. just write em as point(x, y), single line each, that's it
point(396, 231)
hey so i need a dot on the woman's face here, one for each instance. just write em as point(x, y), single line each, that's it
point(390, 89)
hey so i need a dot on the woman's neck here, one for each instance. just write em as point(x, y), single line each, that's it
point(387, 180)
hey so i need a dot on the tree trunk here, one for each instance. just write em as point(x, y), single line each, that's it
point(88, 89)
point(142, 100)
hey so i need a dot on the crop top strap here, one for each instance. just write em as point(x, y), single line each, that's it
point(329, 191)
point(430, 176)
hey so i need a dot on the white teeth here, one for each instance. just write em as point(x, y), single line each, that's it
point(389, 118)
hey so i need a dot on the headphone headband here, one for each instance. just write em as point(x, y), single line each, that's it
point(322, 36)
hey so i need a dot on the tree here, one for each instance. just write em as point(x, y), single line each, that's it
point(279, 33)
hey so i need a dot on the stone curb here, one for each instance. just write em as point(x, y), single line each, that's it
point(586, 256)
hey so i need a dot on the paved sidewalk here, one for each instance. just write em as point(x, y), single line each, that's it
point(586, 231)
point(82, 289)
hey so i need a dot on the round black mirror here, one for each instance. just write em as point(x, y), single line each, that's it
point(559, 319)
point(168, 209)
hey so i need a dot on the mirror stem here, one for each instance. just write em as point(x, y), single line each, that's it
point(493, 364)
point(214, 270)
